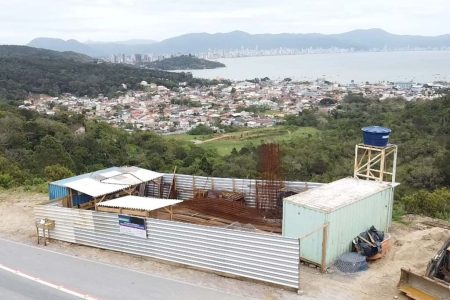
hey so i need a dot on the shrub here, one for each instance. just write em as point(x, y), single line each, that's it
point(56, 172)
point(6, 181)
point(434, 204)
point(200, 130)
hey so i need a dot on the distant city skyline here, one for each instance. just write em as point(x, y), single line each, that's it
point(117, 20)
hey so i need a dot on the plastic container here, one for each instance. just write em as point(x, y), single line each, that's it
point(386, 245)
point(376, 136)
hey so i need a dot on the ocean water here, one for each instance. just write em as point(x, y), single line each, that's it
point(417, 66)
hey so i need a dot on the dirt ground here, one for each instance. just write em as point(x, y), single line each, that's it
point(413, 245)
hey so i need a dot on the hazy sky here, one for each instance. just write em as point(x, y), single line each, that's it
point(109, 20)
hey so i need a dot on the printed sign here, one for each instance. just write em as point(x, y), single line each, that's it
point(133, 226)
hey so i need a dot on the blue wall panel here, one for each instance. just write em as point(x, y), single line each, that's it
point(56, 191)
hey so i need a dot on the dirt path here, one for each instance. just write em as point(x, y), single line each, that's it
point(413, 245)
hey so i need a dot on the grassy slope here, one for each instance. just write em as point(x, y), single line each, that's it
point(224, 143)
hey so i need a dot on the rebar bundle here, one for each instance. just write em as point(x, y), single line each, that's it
point(271, 185)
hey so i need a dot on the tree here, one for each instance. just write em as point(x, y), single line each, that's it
point(50, 152)
point(57, 172)
point(200, 130)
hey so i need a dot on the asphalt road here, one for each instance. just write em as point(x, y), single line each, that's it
point(42, 273)
point(14, 287)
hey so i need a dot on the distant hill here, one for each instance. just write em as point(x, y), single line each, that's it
point(93, 48)
point(367, 39)
point(62, 45)
point(24, 52)
point(126, 42)
point(184, 62)
point(25, 70)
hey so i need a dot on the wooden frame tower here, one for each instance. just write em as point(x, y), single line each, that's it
point(375, 163)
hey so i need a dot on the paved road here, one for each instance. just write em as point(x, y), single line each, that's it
point(14, 287)
point(84, 277)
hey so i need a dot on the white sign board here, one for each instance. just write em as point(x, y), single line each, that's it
point(132, 226)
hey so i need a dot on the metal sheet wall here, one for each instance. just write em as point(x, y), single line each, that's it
point(374, 210)
point(264, 257)
point(185, 184)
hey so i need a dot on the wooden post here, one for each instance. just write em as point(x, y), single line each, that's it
point(212, 183)
point(368, 164)
point(45, 239)
point(383, 157)
point(160, 187)
point(323, 266)
point(356, 161)
point(172, 184)
point(394, 167)
point(69, 203)
point(234, 184)
point(175, 184)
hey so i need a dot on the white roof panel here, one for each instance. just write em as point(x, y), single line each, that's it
point(109, 173)
point(95, 188)
point(139, 203)
point(337, 194)
point(145, 175)
point(112, 180)
point(124, 179)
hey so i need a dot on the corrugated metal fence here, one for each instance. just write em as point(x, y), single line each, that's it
point(264, 257)
point(185, 185)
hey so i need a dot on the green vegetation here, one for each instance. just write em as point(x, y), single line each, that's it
point(200, 130)
point(25, 70)
point(237, 139)
point(435, 204)
point(35, 148)
point(325, 153)
point(185, 62)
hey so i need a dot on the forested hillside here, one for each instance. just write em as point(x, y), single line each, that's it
point(184, 62)
point(25, 70)
point(35, 148)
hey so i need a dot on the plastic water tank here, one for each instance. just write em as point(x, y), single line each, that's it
point(376, 136)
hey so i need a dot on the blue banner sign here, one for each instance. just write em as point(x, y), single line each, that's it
point(132, 226)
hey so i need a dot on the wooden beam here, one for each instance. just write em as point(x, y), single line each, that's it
point(383, 157)
point(172, 184)
point(323, 266)
point(69, 203)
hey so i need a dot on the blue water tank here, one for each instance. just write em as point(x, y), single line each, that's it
point(376, 136)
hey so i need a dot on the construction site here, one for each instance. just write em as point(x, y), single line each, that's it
point(255, 205)
point(261, 229)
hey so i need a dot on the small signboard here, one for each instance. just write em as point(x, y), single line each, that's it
point(132, 226)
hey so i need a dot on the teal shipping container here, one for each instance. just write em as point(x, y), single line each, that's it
point(347, 207)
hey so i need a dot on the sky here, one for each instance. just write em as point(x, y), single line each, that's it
point(116, 20)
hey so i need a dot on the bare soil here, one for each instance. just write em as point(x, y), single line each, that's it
point(413, 245)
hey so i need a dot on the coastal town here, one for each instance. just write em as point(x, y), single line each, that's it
point(253, 103)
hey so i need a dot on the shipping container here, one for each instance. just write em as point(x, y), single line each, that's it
point(347, 207)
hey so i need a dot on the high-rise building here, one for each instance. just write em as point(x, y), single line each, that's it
point(137, 59)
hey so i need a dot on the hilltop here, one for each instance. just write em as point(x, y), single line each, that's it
point(25, 70)
point(185, 62)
